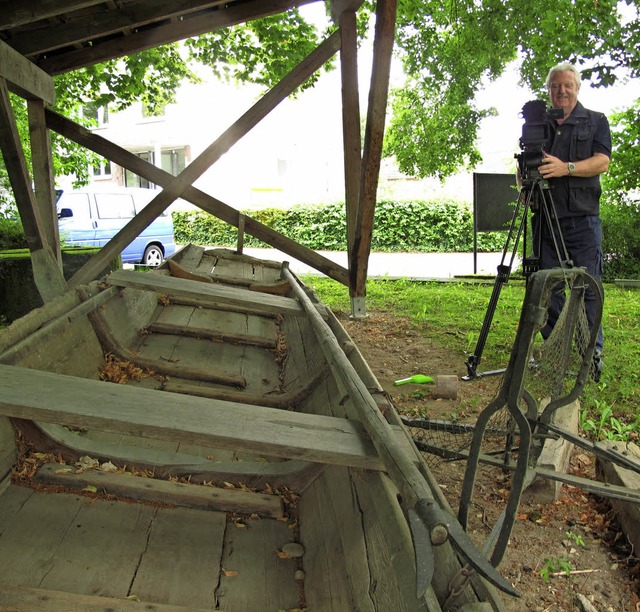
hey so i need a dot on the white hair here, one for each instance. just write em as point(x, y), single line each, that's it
point(564, 67)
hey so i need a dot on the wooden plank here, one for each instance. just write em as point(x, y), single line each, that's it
point(165, 491)
point(70, 401)
point(180, 183)
point(256, 577)
point(25, 78)
point(11, 501)
point(216, 207)
point(330, 583)
point(181, 563)
point(101, 548)
point(15, 597)
point(32, 536)
point(182, 287)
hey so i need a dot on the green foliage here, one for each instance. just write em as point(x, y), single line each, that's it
point(623, 176)
point(11, 235)
point(621, 238)
point(435, 226)
point(448, 49)
point(260, 51)
point(601, 424)
point(555, 566)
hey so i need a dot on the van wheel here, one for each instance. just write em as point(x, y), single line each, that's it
point(153, 256)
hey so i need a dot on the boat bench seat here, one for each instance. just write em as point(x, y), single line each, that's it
point(205, 292)
point(92, 404)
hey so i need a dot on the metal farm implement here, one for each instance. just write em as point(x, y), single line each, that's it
point(541, 378)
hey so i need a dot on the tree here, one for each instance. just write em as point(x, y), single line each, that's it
point(260, 51)
point(448, 48)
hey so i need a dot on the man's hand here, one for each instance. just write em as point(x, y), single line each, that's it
point(553, 167)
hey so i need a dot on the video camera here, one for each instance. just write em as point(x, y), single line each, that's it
point(536, 137)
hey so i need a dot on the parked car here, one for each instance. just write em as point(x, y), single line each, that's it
point(92, 216)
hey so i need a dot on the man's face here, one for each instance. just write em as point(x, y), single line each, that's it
point(563, 91)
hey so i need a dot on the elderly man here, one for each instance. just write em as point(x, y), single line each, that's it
point(580, 151)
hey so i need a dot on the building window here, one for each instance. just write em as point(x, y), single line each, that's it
point(103, 169)
point(173, 160)
point(133, 180)
point(98, 115)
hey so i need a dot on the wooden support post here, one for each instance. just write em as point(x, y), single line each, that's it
point(179, 184)
point(372, 153)
point(46, 272)
point(241, 220)
point(45, 198)
point(350, 119)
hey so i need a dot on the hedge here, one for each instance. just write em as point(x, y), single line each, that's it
point(414, 226)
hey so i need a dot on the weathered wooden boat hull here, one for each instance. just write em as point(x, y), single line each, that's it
point(227, 384)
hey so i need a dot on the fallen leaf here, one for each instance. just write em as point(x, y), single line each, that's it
point(282, 555)
point(91, 489)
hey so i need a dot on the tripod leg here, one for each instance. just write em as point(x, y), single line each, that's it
point(514, 235)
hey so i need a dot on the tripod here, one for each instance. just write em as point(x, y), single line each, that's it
point(534, 195)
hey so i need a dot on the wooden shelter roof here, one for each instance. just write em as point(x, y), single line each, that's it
point(63, 35)
point(42, 38)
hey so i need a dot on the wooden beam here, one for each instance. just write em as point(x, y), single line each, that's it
point(16, 166)
point(138, 488)
point(206, 292)
point(228, 214)
point(374, 134)
point(24, 77)
point(179, 184)
point(43, 178)
point(14, 14)
point(101, 51)
point(98, 24)
point(66, 400)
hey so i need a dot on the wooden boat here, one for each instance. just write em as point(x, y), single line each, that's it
point(249, 461)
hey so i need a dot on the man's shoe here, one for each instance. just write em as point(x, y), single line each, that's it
point(597, 366)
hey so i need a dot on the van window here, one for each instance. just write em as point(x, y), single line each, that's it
point(115, 206)
point(144, 202)
point(78, 203)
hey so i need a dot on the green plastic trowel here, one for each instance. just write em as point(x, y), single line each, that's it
point(417, 379)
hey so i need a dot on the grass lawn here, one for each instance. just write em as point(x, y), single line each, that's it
point(452, 313)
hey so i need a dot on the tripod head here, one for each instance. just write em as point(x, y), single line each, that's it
point(535, 139)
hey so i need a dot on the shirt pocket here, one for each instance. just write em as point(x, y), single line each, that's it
point(584, 143)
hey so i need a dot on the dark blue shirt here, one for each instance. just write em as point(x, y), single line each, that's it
point(583, 134)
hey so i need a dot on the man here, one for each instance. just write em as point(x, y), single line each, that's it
point(580, 151)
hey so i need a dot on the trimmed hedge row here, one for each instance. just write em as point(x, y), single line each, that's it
point(435, 226)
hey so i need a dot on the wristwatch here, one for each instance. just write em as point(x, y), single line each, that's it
point(572, 168)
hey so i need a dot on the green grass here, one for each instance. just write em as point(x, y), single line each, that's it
point(451, 314)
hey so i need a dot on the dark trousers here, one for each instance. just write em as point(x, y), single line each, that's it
point(583, 239)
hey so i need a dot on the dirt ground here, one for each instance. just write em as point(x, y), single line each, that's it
point(577, 533)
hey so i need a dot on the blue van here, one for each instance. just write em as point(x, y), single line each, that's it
point(92, 216)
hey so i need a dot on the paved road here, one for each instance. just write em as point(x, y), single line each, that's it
point(418, 266)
